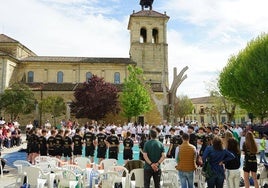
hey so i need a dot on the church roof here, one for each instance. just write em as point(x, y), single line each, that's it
point(77, 59)
point(37, 86)
point(149, 13)
point(4, 38)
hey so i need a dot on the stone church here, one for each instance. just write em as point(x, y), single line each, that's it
point(54, 75)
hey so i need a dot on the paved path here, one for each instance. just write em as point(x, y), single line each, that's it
point(8, 179)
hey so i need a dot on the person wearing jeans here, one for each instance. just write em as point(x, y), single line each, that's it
point(217, 156)
point(262, 149)
point(186, 162)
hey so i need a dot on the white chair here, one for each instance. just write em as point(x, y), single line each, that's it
point(39, 159)
point(139, 178)
point(82, 162)
point(68, 179)
point(122, 173)
point(170, 178)
point(20, 165)
point(199, 178)
point(107, 179)
point(169, 164)
point(34, 176)
point(79, 172)
point(105, 163)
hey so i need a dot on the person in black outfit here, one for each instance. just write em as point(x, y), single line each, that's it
point(102, 147)
point(113, 142)
point(128, 145)
point(232, 166)
point(77, 143)
point(43, 143)
point(175, 141)
point(58, 144)
point(90, 142)
point(3, 163)
point(51, 143)
point(34, 146)
point(67, 146)
point(141, 145)
point(193, 137)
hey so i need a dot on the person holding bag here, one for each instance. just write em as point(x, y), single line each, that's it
point(217, 157)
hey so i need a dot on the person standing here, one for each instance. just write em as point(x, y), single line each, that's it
point(51, 143)
point(113, 143)
point(216, 157)
point(67, 146)
point(262, 149)
point(141, 146)
point(232, 166)
point(186, 162)
point(90, 142)
point(128, 145)
point(250, 149)
point(77, 143)
point(101, 142)
point(175, 141)
point(154, 154)
point(43, 143)
point(58, 145)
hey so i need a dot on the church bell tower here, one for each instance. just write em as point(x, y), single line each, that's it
point(148, 43)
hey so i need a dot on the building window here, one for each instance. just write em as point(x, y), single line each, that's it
point(60, 77)
point(30, 76)
point(143, 35)
point(155, 36)
point(202, 110)
point(117, 78)
point(88, 76)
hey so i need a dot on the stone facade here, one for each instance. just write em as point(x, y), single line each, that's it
point(52, 75)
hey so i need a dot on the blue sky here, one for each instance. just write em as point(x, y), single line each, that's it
point(202, 34)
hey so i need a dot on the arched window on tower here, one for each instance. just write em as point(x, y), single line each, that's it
point(155, 36)
point(30, 76)
point(59, 77)
point(117, 78)
point(88, 76)
point(143, 35)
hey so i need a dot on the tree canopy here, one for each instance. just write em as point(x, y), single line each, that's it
point(18, 99)
point(183, 106)
point(95, 99)
point(54, 105)
point(244, 80)
point(135, 99)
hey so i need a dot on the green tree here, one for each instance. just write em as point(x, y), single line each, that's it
point(54, 105)
point(244, 79)
point(183, 107)
point(18, 99)
point(95, 99)
point(135, 99)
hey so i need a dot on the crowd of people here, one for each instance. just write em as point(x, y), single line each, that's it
point(218, 145)
point(10, 134)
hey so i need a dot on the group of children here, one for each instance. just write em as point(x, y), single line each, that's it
point(63, 144)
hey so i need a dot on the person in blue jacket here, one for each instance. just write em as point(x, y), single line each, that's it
point(217, 156)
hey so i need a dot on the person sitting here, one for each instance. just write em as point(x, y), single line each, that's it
point(3, 163)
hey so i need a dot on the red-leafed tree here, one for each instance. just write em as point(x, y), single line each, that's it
point(95, 99)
